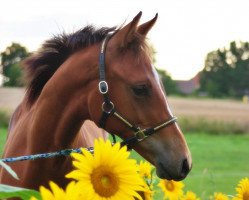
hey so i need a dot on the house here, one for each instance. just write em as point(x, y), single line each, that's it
point(189, 86)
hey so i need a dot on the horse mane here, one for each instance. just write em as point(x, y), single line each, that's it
point(41, 66)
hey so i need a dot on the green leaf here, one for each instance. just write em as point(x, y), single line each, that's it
point(7, 191)
point(8, 169)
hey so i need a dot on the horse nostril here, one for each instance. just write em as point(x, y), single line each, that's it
point(185, 168)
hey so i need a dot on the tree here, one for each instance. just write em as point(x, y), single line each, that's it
point(226, 71)
point(10, 61)
point(168, 83)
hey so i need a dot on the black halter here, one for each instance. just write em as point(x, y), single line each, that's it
point(108, 107)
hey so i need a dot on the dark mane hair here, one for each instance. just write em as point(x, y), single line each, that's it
point(41, 66)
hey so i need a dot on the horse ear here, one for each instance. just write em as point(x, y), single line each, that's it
point(126, 34)
point(145, 28)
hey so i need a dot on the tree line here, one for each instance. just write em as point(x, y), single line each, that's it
point(225, 72)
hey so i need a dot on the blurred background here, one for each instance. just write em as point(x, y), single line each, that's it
point(201, 51)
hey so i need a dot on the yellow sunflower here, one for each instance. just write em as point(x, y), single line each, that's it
point(220, 196)
point(243, 190)
point(172, 189)
point(147, 193)
point(108, 174)
point(144, 169)
point(73, 192)
point(189, 196)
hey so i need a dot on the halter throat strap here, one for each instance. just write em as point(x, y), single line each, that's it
point(108, 108)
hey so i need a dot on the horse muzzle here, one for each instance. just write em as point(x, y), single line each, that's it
point(170, 172)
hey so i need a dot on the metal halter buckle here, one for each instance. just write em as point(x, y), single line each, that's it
point(140, 135)
point(107, 107)
point(103, 87)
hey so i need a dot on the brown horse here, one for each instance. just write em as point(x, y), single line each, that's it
point(63, 92)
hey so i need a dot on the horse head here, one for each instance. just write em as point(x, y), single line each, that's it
point(134, 102)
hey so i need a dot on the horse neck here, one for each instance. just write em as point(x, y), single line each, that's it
point(63, 103)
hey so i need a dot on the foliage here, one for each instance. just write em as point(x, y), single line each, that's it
point(226, 71)
point(7, 191)
point(4, 119)
point(168, 83)
point(10, 61)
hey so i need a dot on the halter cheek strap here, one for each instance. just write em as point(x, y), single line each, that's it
point(108, 108)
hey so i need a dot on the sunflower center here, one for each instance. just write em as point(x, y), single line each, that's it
point(246, 196)
point(104, 181)
point(169, 186)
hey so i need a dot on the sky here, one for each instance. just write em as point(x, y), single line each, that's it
point(185, 32)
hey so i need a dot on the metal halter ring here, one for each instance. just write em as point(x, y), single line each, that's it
point(103, 87)
point(107, 107)
point(140, 135)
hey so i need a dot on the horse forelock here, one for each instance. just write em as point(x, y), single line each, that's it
point(41, 65)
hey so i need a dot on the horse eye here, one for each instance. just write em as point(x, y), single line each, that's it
point(141, 90)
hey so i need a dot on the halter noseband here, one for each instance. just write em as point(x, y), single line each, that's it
point(108, 108)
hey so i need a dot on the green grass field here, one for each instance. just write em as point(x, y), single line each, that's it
point(219, 162)
point(3, 132)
